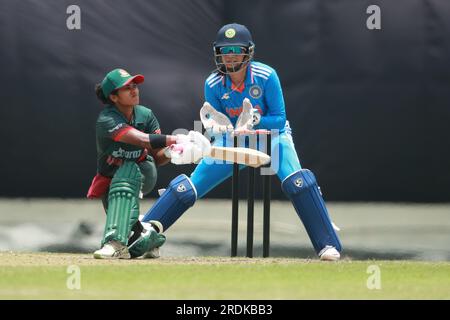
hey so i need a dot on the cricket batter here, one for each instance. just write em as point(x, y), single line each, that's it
point(129, 147)
point(238, 84)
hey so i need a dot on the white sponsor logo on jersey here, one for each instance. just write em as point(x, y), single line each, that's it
point(126, 154)
point(120, 125)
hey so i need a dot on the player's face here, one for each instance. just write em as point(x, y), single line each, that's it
point(232, 61)
point(232, 56)
point(128, 95)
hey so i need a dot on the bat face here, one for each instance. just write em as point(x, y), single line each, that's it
point(248, 157)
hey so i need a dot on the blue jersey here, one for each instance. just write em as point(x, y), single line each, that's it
point(261, 86)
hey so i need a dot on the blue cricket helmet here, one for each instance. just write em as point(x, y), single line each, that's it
point(233, 34)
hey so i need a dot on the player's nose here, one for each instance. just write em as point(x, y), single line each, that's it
point(230, 57)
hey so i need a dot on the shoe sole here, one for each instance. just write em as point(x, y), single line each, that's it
point(330, 258)
point(151, 255)
point(99, 256)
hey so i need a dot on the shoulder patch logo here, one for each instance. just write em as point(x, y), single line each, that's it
point(255, 91)
point(230, 33)
point(225, 96)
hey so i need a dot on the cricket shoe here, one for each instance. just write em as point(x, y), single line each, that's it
point(112, 250)
point(148, 244)
point(152, 254)
point(155, 253)
point(329, 253)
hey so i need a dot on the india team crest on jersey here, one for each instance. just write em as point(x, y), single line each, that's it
point(255, 91)
point(123, 73)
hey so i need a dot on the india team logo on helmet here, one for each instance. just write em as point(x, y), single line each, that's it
point(230, 33)
point(255, 91)
point(298, 183)
point(181, 188)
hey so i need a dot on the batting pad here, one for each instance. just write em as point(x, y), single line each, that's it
point(301, 188)
point(179, 196)
point(123, 203)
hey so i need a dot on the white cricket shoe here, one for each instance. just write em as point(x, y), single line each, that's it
point(112, 250)
point(329, 253)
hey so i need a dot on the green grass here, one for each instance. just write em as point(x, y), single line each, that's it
point(215, 278)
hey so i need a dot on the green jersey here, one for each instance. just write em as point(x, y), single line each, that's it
point(111, 125)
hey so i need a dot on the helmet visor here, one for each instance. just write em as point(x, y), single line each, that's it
point(232, 50)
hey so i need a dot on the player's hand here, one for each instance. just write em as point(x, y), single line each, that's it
point(256, 117)
point(248, 118)
point(215, 121)
point(200, 141)
point(189, 148)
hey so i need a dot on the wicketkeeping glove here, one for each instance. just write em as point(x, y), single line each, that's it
point(248, 118)
point(214, 121)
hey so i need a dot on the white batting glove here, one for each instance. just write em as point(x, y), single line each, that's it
point(189, 148)
point(201, 141)
point(182, 138)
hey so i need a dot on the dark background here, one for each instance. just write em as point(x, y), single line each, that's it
point(369, 108)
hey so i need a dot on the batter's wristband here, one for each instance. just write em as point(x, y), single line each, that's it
point(157, 141)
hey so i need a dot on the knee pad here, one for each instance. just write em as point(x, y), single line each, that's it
point(149, 175)
point(123, 205)
point(302, 189)
point(179, 196)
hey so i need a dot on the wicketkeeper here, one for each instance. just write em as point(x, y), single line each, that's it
point(246, 95)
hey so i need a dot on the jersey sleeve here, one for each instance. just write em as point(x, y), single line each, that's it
point(275, 118)
point(109, 126)
point(211, 97)
point(153, 124)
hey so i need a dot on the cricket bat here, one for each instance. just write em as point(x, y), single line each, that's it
point(246, 156)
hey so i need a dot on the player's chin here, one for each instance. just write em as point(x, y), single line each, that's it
point(135, 100)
